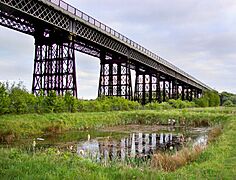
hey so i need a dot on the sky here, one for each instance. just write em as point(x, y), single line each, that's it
point(197, 36)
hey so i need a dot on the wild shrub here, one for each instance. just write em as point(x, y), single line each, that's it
point(54, 102)
point(4, 99)
point(179, 104)
point(202, 102)
point(16, 99)
point(209, 99)
point(20, 100)
point(228, 103)
point(165, 105)
point(71, 102)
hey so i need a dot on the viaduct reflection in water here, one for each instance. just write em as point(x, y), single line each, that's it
point(137, 145)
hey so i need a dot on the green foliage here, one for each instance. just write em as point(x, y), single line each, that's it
point(179, 104)
point(4, 100)
point(54, 102)
point(70, 102)
point(213, 97)
point(103, 104)
point(216, 162)
point(228, 103)
point(20, 100)
point(17, 100)
point(225, 96)
point(158, 106)
point(202, 102)
point(172, 103)
point(209, 99)
point(153, 106)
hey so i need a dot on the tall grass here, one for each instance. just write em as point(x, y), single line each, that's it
point(167, 162)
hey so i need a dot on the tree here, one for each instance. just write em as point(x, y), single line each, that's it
point(4, 99)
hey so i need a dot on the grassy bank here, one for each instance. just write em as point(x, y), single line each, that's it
point(18, 126)
point(216, 162)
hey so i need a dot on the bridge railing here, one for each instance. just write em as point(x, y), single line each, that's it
point(62, 4)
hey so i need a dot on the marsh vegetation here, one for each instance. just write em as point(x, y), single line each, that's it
point(27, 119)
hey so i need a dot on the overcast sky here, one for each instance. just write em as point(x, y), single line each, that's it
point(198, 36)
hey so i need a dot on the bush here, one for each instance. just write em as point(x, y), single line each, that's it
point(4, 99)
point(228, 96)
point(181, 104)
point(20, 100)
point(166, 105)
point(228, 103)
point(16, 99)
point(153, 106)
point(209, 99)
point(202, 102)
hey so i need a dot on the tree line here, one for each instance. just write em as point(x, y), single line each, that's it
point(228, 99)
point(15, 99)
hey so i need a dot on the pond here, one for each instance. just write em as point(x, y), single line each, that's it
point(120, 142)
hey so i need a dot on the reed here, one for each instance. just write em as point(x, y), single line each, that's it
point(167, 162)
point(214, 133)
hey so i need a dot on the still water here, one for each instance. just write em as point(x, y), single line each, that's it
point(120, 142)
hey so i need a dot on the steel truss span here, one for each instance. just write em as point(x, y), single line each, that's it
point(60, 29)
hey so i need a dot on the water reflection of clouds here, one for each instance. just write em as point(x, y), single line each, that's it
point(201, 141)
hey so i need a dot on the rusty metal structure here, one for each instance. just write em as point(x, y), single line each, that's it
point(60, 29)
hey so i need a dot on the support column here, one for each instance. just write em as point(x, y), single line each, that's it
point(195, 93)
point(183, 93)
point(174, 89)
point(119, 80)
point(158, 88)
point(54, 66)
point(110, 81)
point(144, 89)
point(187, 93)
point(150, 89)
point(199, 93)
point(155, 91)
point(170, 84)
point(139, 94)
point(164, 91)
point(191, 94)
point(115, 77)
point(147, 86)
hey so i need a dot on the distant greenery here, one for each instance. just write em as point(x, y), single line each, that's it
point(15, 99)
point(228, 99)
point(209, 99)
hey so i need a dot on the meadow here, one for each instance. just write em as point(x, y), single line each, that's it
point(217, 161)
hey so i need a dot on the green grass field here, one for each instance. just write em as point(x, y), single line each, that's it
point(218, 161)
